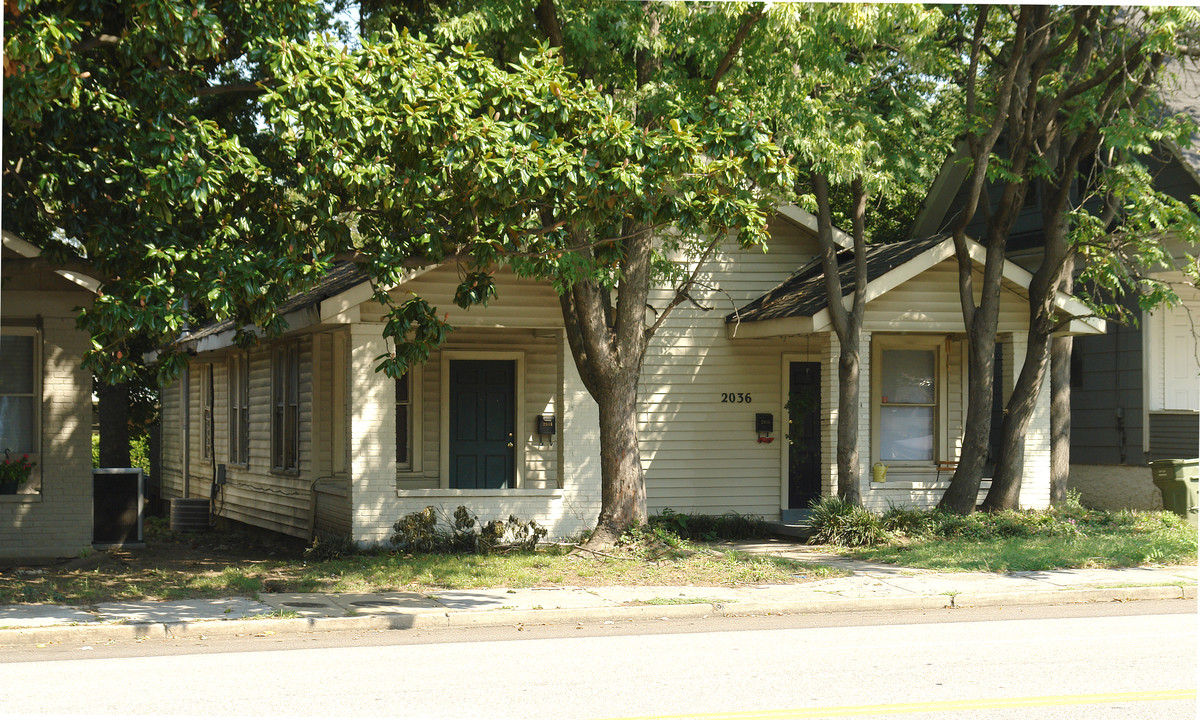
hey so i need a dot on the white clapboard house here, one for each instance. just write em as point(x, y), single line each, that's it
point(302, 436)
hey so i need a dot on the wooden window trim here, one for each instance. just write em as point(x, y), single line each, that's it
point(239, 409)
point(33, 486)
point(413, 409)
point(285, 408)
point(936, 344)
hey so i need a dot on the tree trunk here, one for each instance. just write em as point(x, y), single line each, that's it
point(1060, 417)
point(608, 344)
point(848, 487)
point(1005, 493)
point(114, 424)
point(962, 495)
point(846, 325)
point(623, 491)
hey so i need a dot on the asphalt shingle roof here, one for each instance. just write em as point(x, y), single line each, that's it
point(340, 278)
point(803, 293)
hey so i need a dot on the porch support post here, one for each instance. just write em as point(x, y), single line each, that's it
point(864, 415)
point(1035, 443)
point(1012, 352)
point(1035, 467)
point(372, 435)
point(829, 414)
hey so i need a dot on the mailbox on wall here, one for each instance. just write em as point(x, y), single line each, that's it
point(764, 425)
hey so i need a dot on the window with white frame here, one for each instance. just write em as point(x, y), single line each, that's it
point(408, 422)
point(906, 402)
point(239, 409)
point(285, 408)
point(19, 393)
point(206, 411)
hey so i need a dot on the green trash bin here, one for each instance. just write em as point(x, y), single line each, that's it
point(1179, 481)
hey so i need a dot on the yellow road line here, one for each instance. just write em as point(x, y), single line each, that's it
point(933, 706)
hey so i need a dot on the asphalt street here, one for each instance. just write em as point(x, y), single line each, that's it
point(1018, 663)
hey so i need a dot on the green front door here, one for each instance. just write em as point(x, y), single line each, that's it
point(482, 404)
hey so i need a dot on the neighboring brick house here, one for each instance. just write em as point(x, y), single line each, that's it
point(302, 436)
point(45, 406)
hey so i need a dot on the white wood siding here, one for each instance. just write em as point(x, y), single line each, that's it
point(381, 496)
point(256, 494)
point(1172, 352)
point(172, 440)
point(929, 303)
point(701, 454)
point(542, 385)
point(520, 302)
point(57, 521)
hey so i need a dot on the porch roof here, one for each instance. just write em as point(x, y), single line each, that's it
point(799, 304)
point(803, 293)
point(341, 277)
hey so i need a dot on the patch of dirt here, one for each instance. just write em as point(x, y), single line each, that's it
point(152, 568)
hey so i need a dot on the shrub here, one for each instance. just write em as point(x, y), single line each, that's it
point(421, 532)
point(837, 522)
point(708, 528)
point(910, 522)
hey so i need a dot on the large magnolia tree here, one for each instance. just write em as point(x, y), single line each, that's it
point(207, 162)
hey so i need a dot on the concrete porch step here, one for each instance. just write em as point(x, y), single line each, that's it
point(794, 529)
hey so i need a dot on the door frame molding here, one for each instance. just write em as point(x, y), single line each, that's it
point(785, 384)
point(519, 436)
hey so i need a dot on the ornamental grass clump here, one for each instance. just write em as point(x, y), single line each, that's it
point(837, 522)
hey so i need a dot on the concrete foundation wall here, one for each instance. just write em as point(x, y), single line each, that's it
point(1115, 487)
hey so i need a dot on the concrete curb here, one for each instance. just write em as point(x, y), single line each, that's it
point(115, 632)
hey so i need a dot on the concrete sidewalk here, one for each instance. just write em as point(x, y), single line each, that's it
point(870, 587)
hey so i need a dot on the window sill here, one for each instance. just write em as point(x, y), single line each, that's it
point(21, 498)
point(453, 493)
point(922, 481)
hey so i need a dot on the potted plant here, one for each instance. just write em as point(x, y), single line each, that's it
point(13, 473)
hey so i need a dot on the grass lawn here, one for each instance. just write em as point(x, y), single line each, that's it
point(1035, 553)
point(1066, 536)
point(173, 568)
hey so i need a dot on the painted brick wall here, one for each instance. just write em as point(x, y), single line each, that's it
point(58, 521)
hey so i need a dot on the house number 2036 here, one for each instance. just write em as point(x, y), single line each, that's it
point(735, 397)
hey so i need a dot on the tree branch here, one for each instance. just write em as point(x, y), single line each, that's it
point(547, 17)
point(254, 88)
point(681, 292)
point(751, 18)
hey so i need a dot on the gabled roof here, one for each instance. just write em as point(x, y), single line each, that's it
point(341, 277)
point(803, 293)
point(346, 287)
point(26, 249)
point(799, 304)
